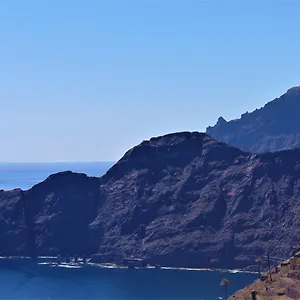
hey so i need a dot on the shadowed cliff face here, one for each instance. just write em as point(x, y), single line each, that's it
point(13, 230)
point(61, 209)
point(181, 200)
point(274, 127)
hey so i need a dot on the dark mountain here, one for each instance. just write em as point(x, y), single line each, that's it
point(274, 127)
point(182, 200)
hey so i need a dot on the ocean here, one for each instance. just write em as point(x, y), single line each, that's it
point(25, 175)
point(28, 279)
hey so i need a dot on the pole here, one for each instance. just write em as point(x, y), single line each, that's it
point(269, 266)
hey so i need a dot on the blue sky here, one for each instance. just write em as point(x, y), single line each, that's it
point(86, 80)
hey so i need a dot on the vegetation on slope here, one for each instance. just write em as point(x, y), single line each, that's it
point(284, 283)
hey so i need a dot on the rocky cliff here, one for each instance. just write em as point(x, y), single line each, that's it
point(274, 127)
point(182, 200)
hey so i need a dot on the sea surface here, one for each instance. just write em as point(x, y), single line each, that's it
point(25, 175)
point(29, 279)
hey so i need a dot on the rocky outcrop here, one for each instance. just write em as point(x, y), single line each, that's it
point(182, 199)
point(274, 127)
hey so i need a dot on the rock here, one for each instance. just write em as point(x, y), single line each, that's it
point(182, 200)
point(274, 127)
point(13, 230)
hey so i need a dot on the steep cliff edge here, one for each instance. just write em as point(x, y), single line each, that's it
point(182, 199)
point(274, 127)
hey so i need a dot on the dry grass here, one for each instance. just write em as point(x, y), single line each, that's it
point(285, 284)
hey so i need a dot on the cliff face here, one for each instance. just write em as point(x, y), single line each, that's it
point(181, 200)
point(13, 230)
point(274, 127)
point(52, 217)
point(61, 209)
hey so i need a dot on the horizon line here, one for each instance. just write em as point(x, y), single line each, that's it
point(56, 161)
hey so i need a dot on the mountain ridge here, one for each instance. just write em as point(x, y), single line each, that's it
point(182, 199)
point(273, 127)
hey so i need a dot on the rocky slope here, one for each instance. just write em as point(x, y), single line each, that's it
point(274, 127)
point(181, 200)
point(285, 283)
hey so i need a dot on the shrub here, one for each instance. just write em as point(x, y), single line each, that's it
point(281, 292)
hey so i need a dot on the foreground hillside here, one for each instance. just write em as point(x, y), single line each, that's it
point(284, 283)
point(182, 200)
point(274, 127)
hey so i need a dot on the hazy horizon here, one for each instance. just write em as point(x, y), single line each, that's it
point(24, 175)
point(56, 162)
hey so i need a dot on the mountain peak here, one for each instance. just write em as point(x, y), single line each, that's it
point(273, 127)
point(221, 120)
point(295, 89)
point(174, 149)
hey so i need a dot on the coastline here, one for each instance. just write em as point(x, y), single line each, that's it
point(51, 260)
point(27, 278)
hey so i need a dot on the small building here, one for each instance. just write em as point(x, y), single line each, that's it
point(134, 262)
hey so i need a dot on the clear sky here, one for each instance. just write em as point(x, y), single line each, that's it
point(86, 80)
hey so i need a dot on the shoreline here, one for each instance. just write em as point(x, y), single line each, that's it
point(115, 266)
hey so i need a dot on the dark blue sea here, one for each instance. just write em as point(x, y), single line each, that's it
point(25, 175)
point(27, 279)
